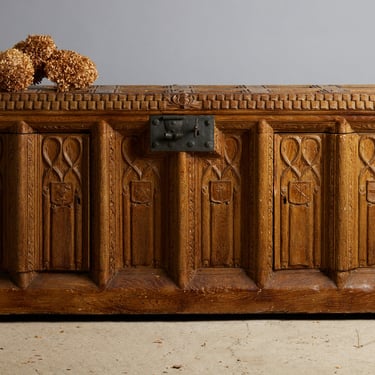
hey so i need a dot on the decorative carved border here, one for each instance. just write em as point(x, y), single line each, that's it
point(175, 97)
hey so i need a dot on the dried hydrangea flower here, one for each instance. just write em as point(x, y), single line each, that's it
point(16, 70)
point(70, 70)
point(39, 48)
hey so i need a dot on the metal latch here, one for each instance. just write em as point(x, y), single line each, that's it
point(182, 133)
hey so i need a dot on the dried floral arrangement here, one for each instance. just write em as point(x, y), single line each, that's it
point(37, 57)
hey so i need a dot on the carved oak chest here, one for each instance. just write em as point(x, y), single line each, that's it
point(188, 199)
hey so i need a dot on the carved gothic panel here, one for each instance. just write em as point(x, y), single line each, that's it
point(142, 220)
point(221, 206)
point(366, 184)
point(298, 201)
point(65, 202)
point(2, 260)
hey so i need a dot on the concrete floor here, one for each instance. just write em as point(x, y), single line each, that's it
point(188, 347)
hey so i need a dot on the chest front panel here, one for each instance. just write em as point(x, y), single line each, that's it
point(276, 216)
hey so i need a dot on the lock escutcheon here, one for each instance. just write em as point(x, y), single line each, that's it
point(183, 133)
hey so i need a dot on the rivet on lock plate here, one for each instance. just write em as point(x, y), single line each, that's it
point(182, 133)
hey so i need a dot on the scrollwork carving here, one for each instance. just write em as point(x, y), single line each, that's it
point(181, 96)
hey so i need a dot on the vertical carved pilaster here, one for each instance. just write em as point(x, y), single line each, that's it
point(345, 200)
point(263, 218)
point(21, 205)
point(101, 221)
point(179, 223)
point(192, 218)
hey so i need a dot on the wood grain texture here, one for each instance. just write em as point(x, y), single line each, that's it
point(279, 218)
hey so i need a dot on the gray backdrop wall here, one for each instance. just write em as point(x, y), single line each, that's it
point(206, 41)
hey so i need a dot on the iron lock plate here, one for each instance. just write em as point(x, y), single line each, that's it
point(185, 133)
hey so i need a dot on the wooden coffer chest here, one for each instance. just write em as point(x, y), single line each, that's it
point(277, 215)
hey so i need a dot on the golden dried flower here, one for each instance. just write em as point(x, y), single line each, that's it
point(16, 70)
point(39, 48)
point(70, 70)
